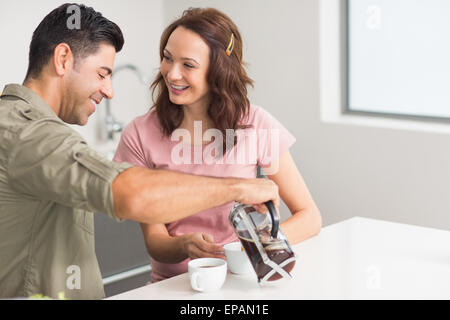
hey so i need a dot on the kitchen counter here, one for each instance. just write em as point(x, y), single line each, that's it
point(357, 258)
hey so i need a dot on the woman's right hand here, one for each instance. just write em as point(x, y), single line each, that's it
point(201, 245)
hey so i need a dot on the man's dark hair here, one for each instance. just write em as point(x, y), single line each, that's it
point(83, 38)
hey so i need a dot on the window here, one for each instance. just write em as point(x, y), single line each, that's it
point(398, 57)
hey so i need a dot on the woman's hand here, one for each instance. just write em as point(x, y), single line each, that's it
point(201, 245)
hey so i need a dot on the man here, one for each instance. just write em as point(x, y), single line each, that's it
point(51, 181)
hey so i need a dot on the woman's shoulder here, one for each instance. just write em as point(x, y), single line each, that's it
point(147, 121)
point(145, 127)
point(148, 118)
point(257, 115)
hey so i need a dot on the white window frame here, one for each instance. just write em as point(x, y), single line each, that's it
point(333, 79)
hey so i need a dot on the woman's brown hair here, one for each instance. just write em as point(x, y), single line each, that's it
point(226, 77)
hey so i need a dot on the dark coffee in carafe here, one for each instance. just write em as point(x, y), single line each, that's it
point(264, 242)
point(275, 250)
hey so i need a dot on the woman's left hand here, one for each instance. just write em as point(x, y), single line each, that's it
point(201, 245)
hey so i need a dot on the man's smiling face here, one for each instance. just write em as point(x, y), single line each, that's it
point(86, 85)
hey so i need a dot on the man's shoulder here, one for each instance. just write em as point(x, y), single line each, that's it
point(20, 120)
point(11, 111)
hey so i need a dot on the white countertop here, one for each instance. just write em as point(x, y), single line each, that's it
point(354, 259)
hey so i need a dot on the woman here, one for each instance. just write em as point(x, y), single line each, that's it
point(201, 94)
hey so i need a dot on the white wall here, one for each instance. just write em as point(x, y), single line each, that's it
point(351, 170)
point(141, 23)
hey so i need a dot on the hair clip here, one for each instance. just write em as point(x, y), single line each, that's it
point(230, 45)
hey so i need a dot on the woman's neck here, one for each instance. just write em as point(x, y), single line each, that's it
point(193, 118)
point(193, 113)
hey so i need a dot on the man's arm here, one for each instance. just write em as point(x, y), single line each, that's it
point(159, 196)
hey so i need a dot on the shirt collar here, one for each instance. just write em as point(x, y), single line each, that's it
point(30, 97)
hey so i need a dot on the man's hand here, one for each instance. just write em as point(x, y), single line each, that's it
point(257, 191)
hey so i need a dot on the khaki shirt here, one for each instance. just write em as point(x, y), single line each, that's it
point(50, 183)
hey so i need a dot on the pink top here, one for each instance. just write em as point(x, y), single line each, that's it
point(143, 144)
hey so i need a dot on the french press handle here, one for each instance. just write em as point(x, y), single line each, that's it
point(274, 217)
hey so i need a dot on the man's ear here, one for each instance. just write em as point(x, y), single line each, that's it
point(63, 59)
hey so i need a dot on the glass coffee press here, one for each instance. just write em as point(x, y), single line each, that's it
point(264, 242)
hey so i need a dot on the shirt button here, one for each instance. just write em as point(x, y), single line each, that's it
point(78, 154)
point(27, 111)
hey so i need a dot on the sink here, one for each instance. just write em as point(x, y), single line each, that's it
point(107, 149)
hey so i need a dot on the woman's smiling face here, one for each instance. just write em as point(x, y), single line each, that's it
point(185, 67)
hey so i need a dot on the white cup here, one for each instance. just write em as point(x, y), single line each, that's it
point(238, 261)
point(207, 274)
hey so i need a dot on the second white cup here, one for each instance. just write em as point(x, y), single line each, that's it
point(237, 259)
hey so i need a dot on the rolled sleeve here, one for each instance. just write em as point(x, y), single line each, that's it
point(51, 161)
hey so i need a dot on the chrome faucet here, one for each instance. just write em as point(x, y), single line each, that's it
point(112, 125)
